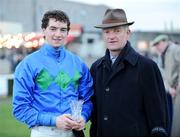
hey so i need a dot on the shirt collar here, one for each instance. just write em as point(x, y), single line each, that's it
point(113, 58)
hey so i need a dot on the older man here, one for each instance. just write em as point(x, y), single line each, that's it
point(170, 55)
point(129, 97)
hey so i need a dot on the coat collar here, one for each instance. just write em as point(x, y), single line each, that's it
point(132, 55)
point(128, 54)
point(57, 53)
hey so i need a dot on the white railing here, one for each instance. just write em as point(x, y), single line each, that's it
point(4, 78)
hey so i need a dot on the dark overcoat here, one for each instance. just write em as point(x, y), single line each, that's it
point(129, 97)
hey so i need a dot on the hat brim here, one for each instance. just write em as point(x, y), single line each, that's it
point(110, 25)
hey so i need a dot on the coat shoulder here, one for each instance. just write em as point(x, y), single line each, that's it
point(97, 62)
point(175, 52)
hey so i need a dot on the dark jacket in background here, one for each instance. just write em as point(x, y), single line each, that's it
point(129, 97)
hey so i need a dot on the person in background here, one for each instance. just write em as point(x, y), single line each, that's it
point(170, 58)
point(48, 80)
point(129, 95)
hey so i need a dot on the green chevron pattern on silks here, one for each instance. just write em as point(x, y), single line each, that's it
point(44, 79)
point(76, 79)
point(62, 80)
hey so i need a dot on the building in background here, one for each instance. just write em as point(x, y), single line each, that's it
point(10, 27)
point(83, 18)
point(29, 13)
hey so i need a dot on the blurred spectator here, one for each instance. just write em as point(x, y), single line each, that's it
point(13, 56)
point(170, 56)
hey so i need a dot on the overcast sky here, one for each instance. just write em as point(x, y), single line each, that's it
point(149, 15)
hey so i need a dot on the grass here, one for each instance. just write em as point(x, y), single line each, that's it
point(10, 127)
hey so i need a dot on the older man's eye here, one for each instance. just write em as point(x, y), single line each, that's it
point(106, 31)
point(117, 30)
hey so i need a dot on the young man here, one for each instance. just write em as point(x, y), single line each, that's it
point(48, 80)
point(129, 97)
point(170, 55)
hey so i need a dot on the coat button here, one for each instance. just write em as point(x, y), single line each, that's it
point(107, 89)
point(105, 118)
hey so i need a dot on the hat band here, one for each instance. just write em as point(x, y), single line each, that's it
point(113, 21)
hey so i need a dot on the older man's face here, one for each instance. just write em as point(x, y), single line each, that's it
point(116, 38)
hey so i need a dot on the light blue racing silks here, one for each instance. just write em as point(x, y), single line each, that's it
point(45, 83)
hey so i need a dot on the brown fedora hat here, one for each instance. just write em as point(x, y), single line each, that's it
point(114, 18)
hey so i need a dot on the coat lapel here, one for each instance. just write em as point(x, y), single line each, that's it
point(118, 69)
